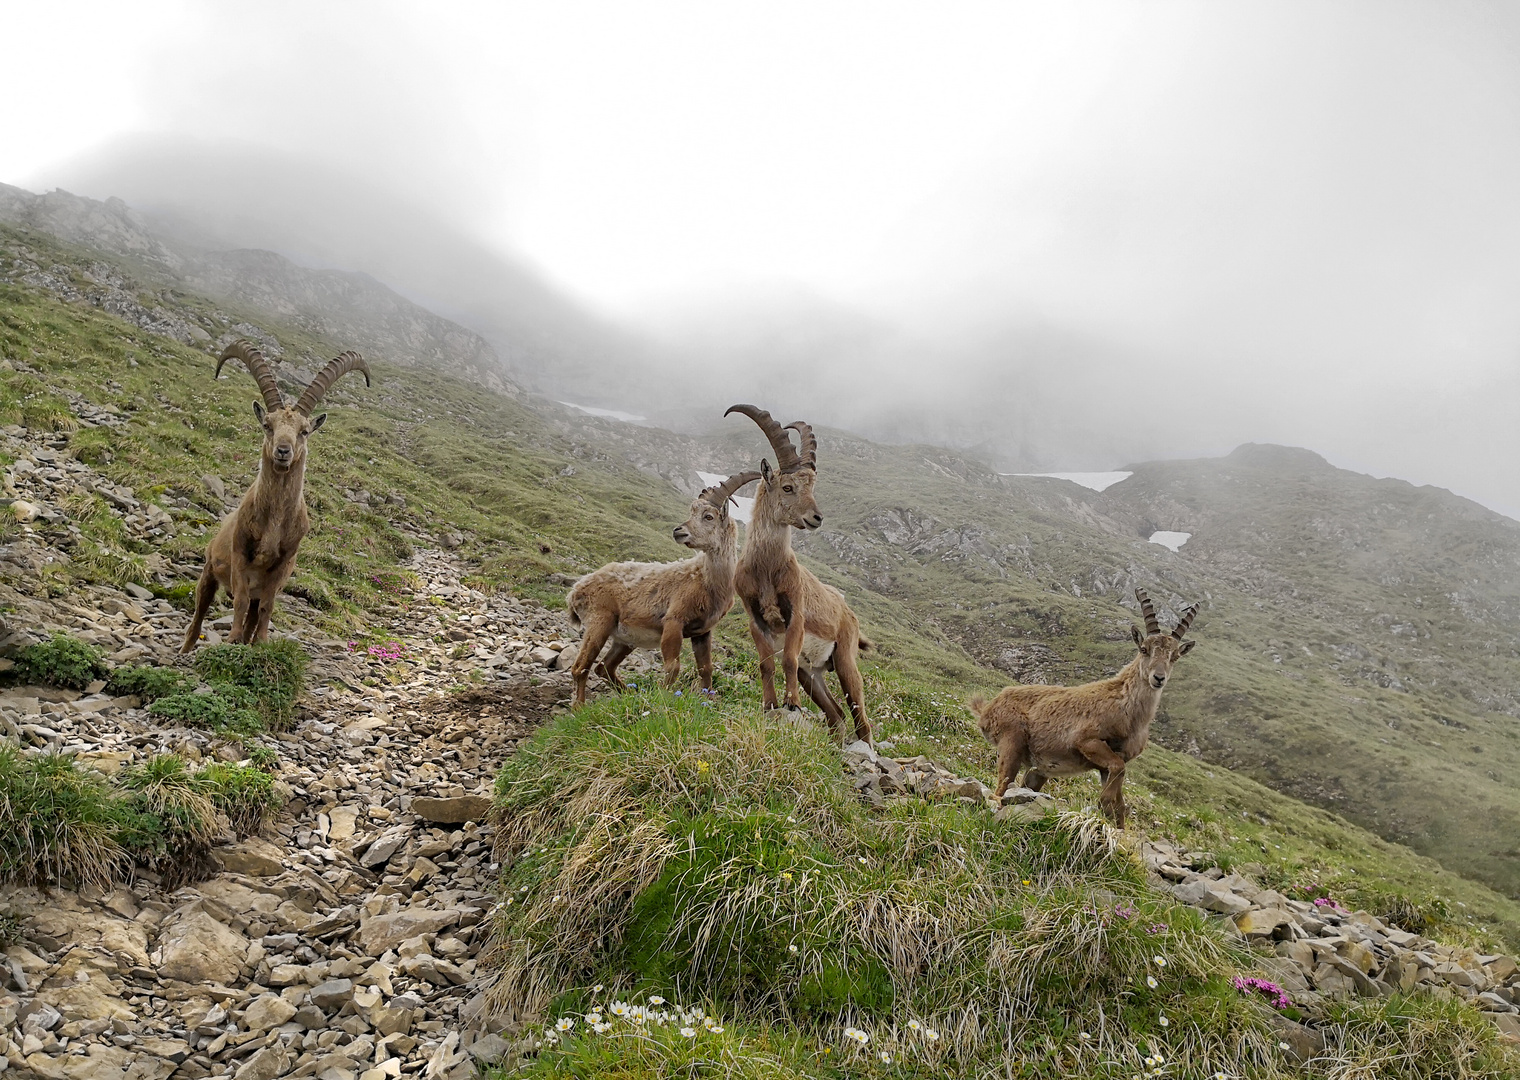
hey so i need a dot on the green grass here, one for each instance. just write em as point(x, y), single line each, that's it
point(61, 660)
point(60, 825)
point(178, 800)
point(244, 793)
point(227, 711)
point(711, 854)
point(148, 683)
point(272, 674)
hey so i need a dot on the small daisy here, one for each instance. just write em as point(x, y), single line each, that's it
point(790, 820)
point(601, 1029)
point(597, 989)
point(1284, 1046)
point(594, 1018)
point(1159, 961)
point(1150, 980)
point(565, 1024)
point(558, 899)
point(716, 1030)
point(791, 948)
point(1084, 1036)
point(656, 999)
point(914, 1025)
point(690, 1033)
point(619, 1009)
point(862, 859)
point(886, 1058)
point(1165, 1022)
point(931, 1034)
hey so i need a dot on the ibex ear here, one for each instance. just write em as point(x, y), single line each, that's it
point(1134, 632)
point(1185, 648)
point(765, 470)
point(316, 422)
point(258, 410)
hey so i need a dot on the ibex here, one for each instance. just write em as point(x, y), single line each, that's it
point(254, 551)
point(1103, 725)
point(791, 612)
point(641, 605)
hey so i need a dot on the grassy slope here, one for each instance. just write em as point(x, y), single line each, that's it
point(661, 846)
point(495, 470)
point(951, 566)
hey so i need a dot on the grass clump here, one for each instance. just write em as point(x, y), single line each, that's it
point(273, 673)
point(245, 793)
point(148, 682)
point(226, 710)
point(61, 825)
point(250, 688)
point(62, 661)
point(179, 802)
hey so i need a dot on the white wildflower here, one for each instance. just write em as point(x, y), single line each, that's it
point(565, 1024)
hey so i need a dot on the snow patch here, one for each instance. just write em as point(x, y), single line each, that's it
point(1097, 481)
point(1173, 540)
point(742, 507)
point(608, 414)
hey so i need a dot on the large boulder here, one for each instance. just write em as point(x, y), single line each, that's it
point(382, 932)
point(198, 949)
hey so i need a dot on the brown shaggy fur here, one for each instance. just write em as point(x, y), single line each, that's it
point(254, 552)
point(643, 605)
point(1103, 725)
point(791, 612)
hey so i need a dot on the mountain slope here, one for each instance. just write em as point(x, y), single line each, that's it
point(970, 578)
point(341, 306)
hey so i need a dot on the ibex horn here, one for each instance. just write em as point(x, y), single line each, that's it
point(336, 368)
point(1186, 621)
point(258, 367)
point(786, 454)
point(809, 443)
point(1148, 609)
point(719, 494)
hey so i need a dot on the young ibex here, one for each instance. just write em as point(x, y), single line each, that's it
point(1103, 725)
point(642, 605)
point(254, 551)
point(790, 610)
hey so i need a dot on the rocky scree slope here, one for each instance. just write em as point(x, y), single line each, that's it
point(344, 941)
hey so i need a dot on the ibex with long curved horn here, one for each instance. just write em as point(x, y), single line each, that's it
point(642, 605)
point(1104, 725)
point(254, 552)
point(791, 612)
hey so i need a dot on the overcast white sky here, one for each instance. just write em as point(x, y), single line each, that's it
point(1310, 209)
